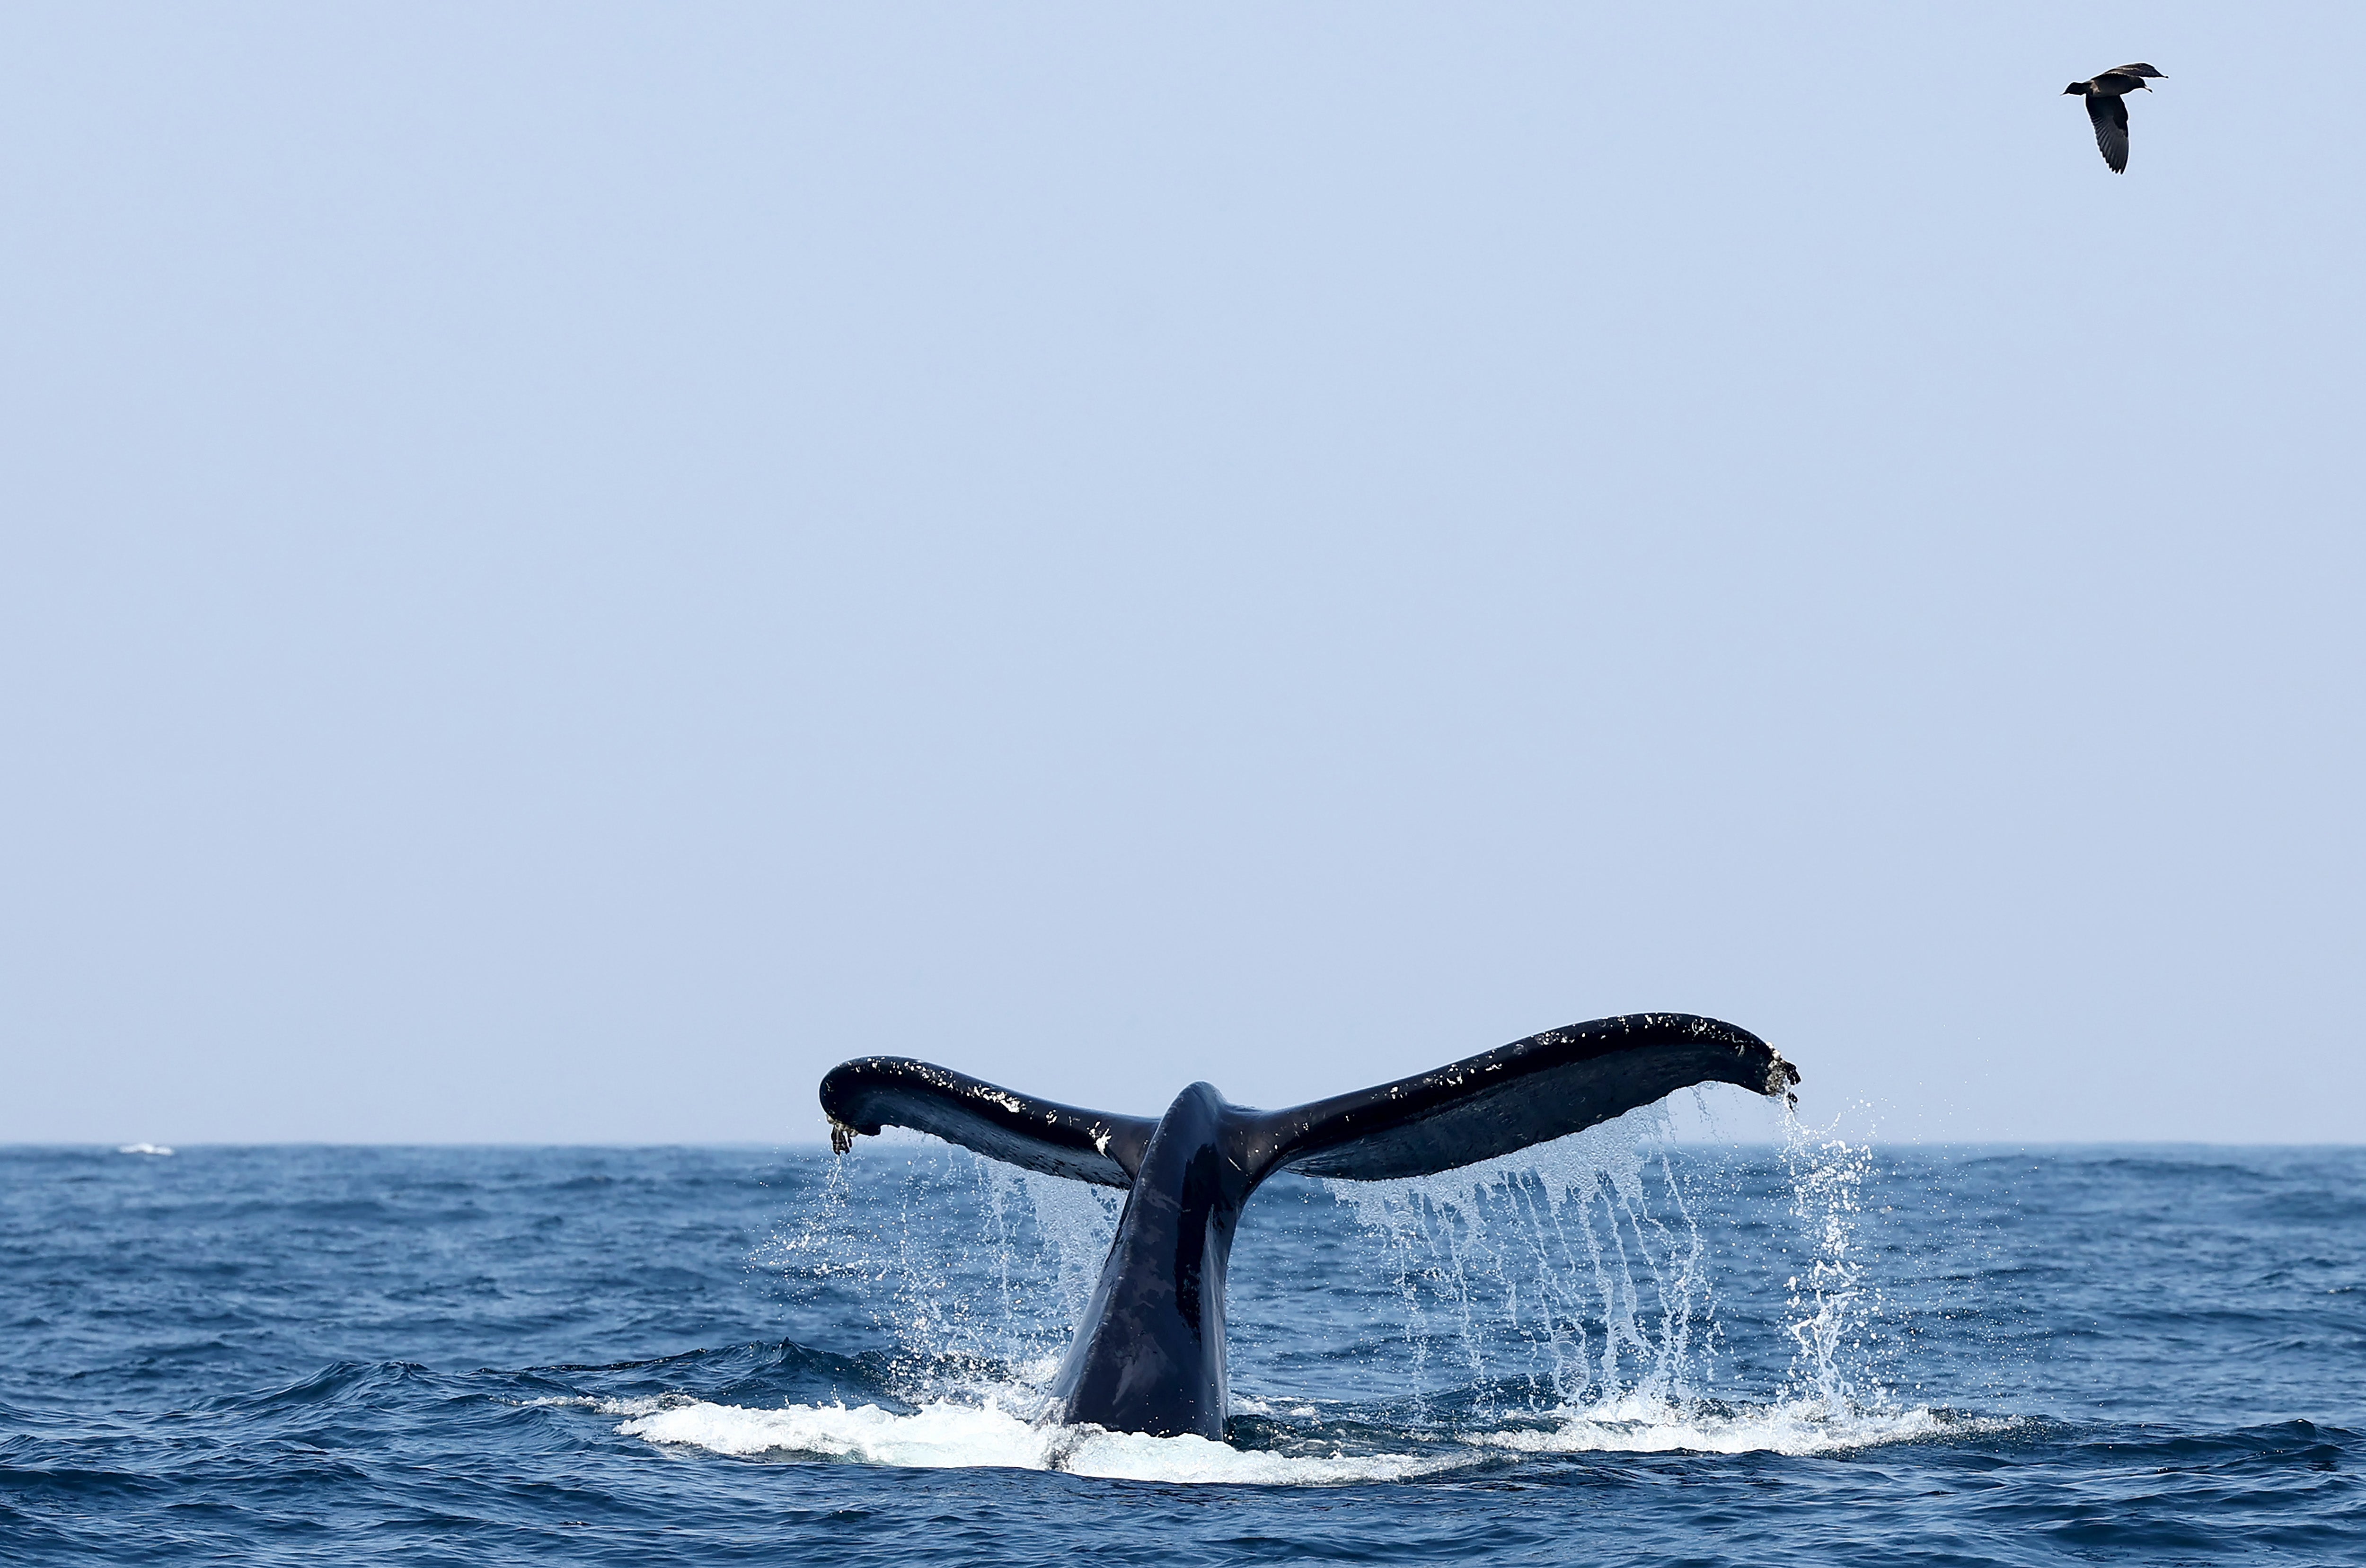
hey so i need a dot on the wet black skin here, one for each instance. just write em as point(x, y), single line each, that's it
point(1149, 1352)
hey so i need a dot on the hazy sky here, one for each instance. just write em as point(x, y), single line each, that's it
point(565, 568)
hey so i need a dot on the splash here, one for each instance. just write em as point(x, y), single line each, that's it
point(1568, 1274)
point(975, 1271)
point(1559, 1300)
point(1838, 1321)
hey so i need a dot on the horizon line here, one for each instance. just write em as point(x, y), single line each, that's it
point(822, 1145)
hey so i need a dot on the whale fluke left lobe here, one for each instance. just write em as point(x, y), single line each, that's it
point(1035, 1134)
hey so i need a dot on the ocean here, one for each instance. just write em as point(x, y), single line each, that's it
point(1619, 1348)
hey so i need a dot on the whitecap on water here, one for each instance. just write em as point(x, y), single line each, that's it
point(947, 1436)
point(1794, 1428)
point(944, 1436)
point(643, 1406)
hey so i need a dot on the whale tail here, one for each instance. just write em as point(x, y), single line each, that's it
point(1149, 1355)
point(1500, 1102)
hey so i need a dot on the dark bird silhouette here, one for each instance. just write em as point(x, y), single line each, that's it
point(2104, 96)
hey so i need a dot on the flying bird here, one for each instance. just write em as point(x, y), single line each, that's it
point(2104, 96)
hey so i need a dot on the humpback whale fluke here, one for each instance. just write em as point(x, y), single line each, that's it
point(1149, 1354)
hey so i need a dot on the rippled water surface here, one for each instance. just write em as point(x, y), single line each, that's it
point(1613, 1351)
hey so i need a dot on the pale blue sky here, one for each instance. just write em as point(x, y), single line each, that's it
point(565, 568)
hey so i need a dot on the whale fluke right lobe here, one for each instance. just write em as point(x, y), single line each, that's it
point(1512, 1097)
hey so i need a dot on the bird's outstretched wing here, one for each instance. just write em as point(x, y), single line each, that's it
point(1035, 1134)
point(2111, 117)
point(1509, 1099)
point(2139, 69)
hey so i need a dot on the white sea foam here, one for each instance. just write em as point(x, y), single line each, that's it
point(1796, 1427)
point(946, 1436)
point(143, 1149)
point(600, 1406)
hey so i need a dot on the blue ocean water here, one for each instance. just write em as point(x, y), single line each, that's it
point(1617, 1350)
